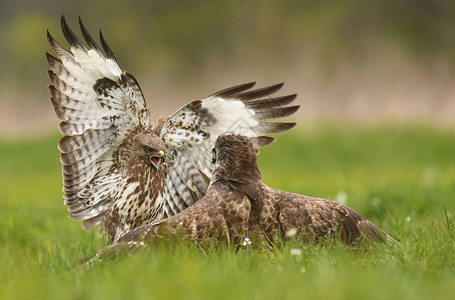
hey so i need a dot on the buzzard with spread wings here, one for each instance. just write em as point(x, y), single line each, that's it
point(120, 170)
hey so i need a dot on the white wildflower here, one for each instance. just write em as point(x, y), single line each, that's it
point(341, 197)
point(291, 232)
point(246, 242)
point(408, 218)
point(302, 270)
point(296, 251)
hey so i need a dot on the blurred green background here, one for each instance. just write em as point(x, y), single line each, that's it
point(348, 60)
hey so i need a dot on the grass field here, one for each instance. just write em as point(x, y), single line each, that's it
point(400, 177)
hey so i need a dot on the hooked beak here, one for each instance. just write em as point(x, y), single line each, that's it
point(157, 160)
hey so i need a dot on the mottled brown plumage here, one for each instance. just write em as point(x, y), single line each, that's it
point(239, 206)
point(120, 170)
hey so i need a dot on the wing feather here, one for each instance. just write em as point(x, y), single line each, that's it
point(96, 137)
point(100, 108)
point(193, 129)
point(87, 37)
point(272, 113)
point(272, 102)
point(172, 207)
point(233, 90)
point(324, 218)
point(259, 93)
point(182, 190)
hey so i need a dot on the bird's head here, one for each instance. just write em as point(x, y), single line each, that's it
point(235, 158)
point(151, 149)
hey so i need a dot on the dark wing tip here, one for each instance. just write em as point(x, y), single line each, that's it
point(107, 49)
point(52, 60)
point(51, 88)
point(49, 57)
point(50, 38)
point(276, 127)
point(48, 35)
point(69, 34)
point(291, 125)
point(50, 74)
point(262, 141)
point(87, 37)
point(271, 102)
point(128, 77)
point(280, 112)
point(54, 104)
point(234, 90)
point(255, 94)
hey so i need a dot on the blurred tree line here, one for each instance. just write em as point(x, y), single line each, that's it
point(178, 40)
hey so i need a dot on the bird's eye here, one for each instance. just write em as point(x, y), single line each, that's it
point(148, 148)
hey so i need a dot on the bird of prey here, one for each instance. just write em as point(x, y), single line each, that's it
point(239, 207)
point(119, 169)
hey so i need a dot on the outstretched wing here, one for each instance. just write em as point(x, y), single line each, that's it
point(321, 218)
point(100, 107)
point(190, 135)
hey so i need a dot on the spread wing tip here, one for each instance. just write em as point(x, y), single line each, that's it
point(271, 102)
point(107, 49)
point(258, 93)
point(51, 59)
point(54, 44)
point(279, 112)
point(276, 127)
point(234, 90)
point(262, 141)
point(49, 36)
point(87, 37)
point(69, 34)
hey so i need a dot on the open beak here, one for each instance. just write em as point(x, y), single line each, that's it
point(157, 160)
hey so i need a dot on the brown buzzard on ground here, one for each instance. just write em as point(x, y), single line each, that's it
point(119, 169)
point(239, 207)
